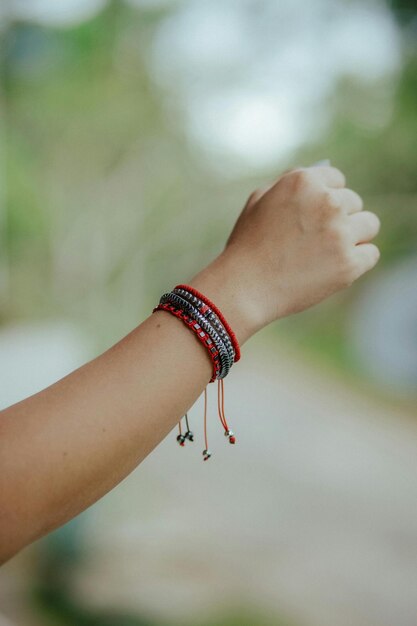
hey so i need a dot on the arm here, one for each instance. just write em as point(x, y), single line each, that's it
point(66, 446)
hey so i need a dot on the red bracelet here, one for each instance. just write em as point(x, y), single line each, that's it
point(219, 314)
point(199, 332)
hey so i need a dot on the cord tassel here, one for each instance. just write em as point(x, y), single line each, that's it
point(220, 404)
point(189, 434)
point(206, 451)
point(180, 437)
point(219, 408)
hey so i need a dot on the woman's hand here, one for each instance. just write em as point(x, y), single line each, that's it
point(294, 244)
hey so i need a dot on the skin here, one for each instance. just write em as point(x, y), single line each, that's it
point(294, 244)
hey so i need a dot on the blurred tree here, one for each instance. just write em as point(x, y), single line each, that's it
point(404, 10)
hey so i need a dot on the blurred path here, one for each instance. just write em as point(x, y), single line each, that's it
point(312, 514)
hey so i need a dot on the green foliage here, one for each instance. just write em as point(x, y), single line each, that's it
point(57, 609)
point(405, 10)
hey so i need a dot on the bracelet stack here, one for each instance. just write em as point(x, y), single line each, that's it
point(211, 328)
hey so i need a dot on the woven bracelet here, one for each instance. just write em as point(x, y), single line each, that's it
point(219, 314)
point(208, 313)
point(225, 357)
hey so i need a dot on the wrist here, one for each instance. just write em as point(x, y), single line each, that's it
point(222, 281)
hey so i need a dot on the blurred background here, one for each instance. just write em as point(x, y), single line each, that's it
point(131, 134)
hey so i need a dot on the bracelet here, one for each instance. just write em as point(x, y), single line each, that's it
point(219, 314)
point(211, 328)
point(226, 362)
point(211, 316)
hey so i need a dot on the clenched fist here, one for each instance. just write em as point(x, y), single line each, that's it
point(293, 245)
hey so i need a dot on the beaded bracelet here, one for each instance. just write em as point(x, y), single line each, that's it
point(208, 313)
point(211, 328)
point(219, 314)
point(226, 361)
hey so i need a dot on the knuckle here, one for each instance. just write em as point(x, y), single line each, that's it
point(374, 221)
point(341, 176)
point(298, 180)
point(348, 271)
point(374, 254)
point(337, 236)
point(330, 204)
point(353, 200)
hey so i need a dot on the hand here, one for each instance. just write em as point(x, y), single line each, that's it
point(295, 244)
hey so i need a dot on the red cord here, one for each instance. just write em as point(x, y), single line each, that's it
point(219, 405)
point(228, 432)
point(205, 418)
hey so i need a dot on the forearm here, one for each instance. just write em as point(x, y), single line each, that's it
point(65, 447)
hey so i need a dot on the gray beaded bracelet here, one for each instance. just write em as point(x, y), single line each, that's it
point(225, 358)
point(211, 316)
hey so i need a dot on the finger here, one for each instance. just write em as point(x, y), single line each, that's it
point(366, 257)
point(363, 226)
point(329, 176)
point(348, 200)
